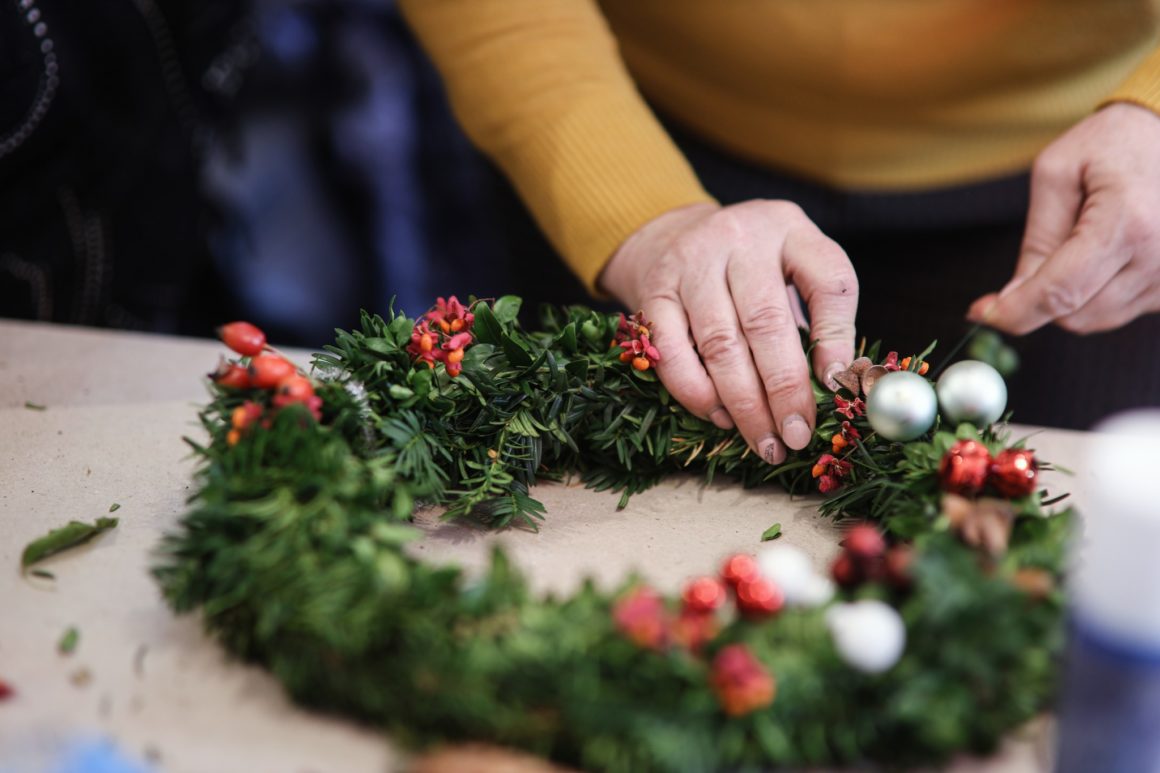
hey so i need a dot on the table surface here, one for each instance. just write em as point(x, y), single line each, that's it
point(116, 406)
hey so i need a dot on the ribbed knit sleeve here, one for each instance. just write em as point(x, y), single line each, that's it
point(1142, 87)
point(540, 87)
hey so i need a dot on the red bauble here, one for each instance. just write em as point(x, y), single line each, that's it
point(739, 568)
point(1014, 472)
point(864, 543)
point(964, 468)
point(757, 597)
point(704, 595)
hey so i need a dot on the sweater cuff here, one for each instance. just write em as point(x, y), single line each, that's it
point(1142, 87)
point(594, 174)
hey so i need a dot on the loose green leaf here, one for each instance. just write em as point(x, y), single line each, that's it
point(773, 532)
point(42, 573)
point(68, 536)
point(35, 406)
point(68, 642)
point(114, 507)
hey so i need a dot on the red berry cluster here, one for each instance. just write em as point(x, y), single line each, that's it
point(968, 467)
point(741, 682)
point(266, 370)
point(634, 338)
point(865, 558)
point(829, 471)
point(442, 335)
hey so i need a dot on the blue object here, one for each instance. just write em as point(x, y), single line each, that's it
point(1110, 712)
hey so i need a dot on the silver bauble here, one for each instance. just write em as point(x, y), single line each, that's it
point(972, 391)
point(901, 406)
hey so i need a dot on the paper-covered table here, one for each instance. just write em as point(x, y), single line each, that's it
point(89, 419)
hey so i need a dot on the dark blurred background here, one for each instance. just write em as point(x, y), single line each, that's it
point(169, 164)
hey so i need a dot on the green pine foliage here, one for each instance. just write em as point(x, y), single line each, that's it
point(294, 552)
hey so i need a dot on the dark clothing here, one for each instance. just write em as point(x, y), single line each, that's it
point(104, 110)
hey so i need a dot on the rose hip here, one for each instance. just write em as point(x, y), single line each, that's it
point(243, 338)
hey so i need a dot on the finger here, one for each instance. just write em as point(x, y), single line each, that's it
point(680, 369)
point(1121, 300)
point(762, 305)
point(1067, 281)
point(1056, 198)
point(820, 270)
point(795, 306)
point(727, 358)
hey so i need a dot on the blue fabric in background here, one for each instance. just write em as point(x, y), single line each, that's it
point(346, 181)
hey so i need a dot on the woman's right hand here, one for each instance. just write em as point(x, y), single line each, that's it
point(714, 282)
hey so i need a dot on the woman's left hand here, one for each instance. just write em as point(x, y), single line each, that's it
point(1090, 259)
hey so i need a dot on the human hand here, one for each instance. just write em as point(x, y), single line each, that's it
point(1090, 258)
point(721, 273)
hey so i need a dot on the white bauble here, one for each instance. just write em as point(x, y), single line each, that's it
point(790, 569)
point(901, 406)
point(869, 635)
point(972, 391)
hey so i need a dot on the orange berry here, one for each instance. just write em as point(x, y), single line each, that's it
point(625, 356)
point(838, 442)
point(444, 326)
point(426, 342)
point(267, 370)
point(454, 369)
point(245, 415)
point(454, 356)
point(233, 437)
point(643, 330)
point(923, 368)
point(640, 363)
point(905, 364)
point(456, 325)
point(818, 470)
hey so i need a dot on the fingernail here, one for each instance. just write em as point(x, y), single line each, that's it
point(721, 418)
point(771, 449)
point(795, 432)
point(1012, 285)
point(828, 379)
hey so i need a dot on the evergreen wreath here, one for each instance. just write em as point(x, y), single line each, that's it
point(943, 634)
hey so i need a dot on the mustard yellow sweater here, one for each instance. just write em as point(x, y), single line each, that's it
point(860, 94)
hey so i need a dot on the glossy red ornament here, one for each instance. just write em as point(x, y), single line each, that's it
point(704, 595)
point(964, 468)
point(864, 543)
point(757, 597)
point(738, 568)
point(243, 338)
point(1014, 472)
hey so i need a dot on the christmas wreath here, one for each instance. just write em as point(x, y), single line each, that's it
point(938, 628)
